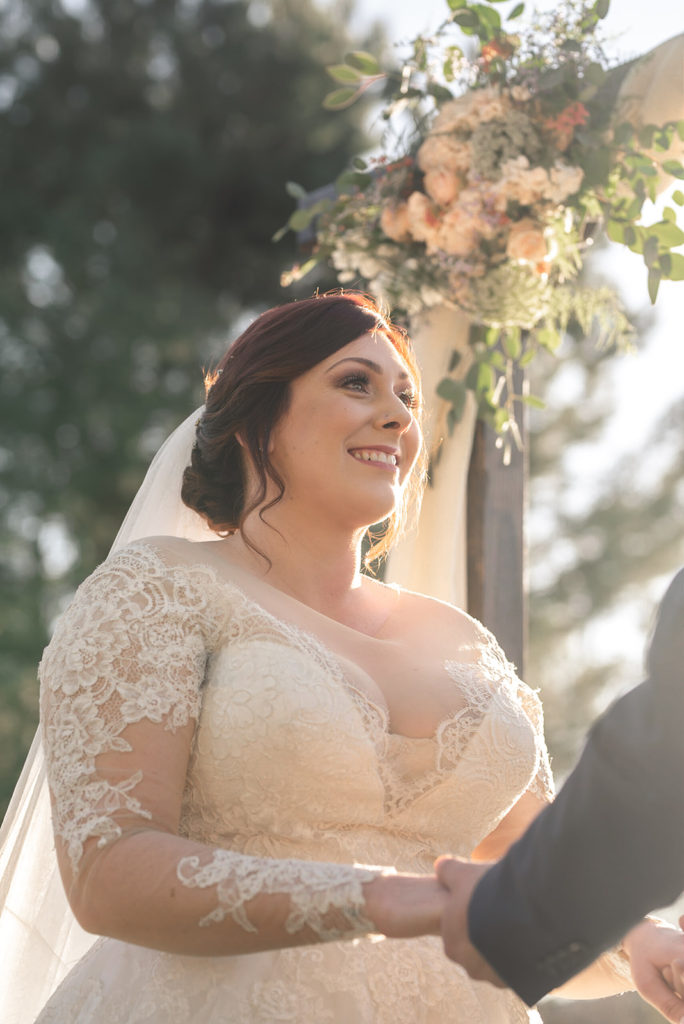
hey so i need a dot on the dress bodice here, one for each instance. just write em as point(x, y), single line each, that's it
point(291, 755)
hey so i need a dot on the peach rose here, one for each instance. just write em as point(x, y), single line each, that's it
point(442, 185)
point(458, 232)
point(444, 152)
point(394, 221)
point(423, 218)
point(526, 242)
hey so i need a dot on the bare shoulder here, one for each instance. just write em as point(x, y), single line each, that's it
point(433, 618)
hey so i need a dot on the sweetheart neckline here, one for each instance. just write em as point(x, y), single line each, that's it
point(331, 657)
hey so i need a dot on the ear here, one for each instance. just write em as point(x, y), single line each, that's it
point(240, 440)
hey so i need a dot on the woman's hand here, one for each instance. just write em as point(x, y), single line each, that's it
point(655, 949)
point(405, 906)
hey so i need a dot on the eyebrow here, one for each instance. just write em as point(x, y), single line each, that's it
point(369, 363)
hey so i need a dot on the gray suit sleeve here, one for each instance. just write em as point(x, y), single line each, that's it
point(608, 850)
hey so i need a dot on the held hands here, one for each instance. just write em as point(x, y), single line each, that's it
point(656, 956)
point(405, 906)
point(459, 877)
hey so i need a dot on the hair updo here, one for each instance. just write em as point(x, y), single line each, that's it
point(249, 391)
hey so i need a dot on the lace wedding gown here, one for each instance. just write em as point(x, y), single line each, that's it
point(294, 778)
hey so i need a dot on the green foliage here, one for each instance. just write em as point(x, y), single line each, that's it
point(440, 217)
point(143, 146)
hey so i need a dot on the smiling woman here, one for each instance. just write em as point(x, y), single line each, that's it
point(298, 366)
point(237, 721)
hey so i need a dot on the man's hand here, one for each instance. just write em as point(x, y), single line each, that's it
point(460, 877)
point(656, 950)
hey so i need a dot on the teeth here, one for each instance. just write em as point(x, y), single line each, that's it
point(371, 455)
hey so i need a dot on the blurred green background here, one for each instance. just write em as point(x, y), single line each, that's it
point(144, 148)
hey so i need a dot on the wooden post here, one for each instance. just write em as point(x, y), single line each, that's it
point(496, 547)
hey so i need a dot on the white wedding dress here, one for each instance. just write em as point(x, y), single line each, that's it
point(294, 769)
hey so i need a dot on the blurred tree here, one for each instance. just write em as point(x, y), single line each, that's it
point(601, 534)
point(144, 146)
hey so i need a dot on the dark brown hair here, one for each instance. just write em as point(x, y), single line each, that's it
point(249, 391)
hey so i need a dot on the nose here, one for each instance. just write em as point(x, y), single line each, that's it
point(396, 415)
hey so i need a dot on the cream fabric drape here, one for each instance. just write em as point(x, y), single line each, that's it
point(431, 557)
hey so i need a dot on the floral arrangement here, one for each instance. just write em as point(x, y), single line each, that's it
point(503, 163)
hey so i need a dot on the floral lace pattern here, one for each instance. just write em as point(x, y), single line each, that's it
point(131, 646)
point(294, 777)
point(327, 898)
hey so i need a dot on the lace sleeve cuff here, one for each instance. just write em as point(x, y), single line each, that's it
point(327, 898)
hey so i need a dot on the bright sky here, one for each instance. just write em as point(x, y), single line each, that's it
point(635, 25)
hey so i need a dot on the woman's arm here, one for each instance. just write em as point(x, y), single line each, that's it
point(152, 887)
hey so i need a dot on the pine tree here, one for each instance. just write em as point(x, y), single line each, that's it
point(144, 147)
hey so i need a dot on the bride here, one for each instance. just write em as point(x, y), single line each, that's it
point(254, 750)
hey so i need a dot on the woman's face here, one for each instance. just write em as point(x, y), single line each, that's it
point(349, 438)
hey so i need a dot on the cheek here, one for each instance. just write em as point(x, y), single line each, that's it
point(412, 445)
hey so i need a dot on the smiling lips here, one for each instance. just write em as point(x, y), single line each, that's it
point(383, 457)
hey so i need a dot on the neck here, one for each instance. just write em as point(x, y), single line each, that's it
point(315, 563)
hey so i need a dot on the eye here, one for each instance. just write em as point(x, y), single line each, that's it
point(409, 398)
point(355, 382)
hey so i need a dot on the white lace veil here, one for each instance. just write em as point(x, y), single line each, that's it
point(40, 939)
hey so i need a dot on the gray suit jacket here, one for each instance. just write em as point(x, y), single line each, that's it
point(608, 850)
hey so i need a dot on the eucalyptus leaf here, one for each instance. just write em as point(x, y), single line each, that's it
point(301, 219)
point(665, 264)
point(357, 179)
point(488, 17)
point(363, 61)
point(667, 233)
point(340, 98)
point(440, 92)
point(466, 18)
point(645, 136)
point(678, 197)
point(601, 7)
point(295, 190)
point(549, 338)
point(615, 230)
point(343, 73)
point(624, 133)
point(454, 360)
point(308, 266)
point(454, 392)
point(676, 272)
point(651, 251)
point(674, 168)
point(516, 12)
point(511, 342)
point(654, 278)
point(280, 233)
point(533, 401)
point(455, 5)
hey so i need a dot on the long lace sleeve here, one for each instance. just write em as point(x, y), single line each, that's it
point(121, 690)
